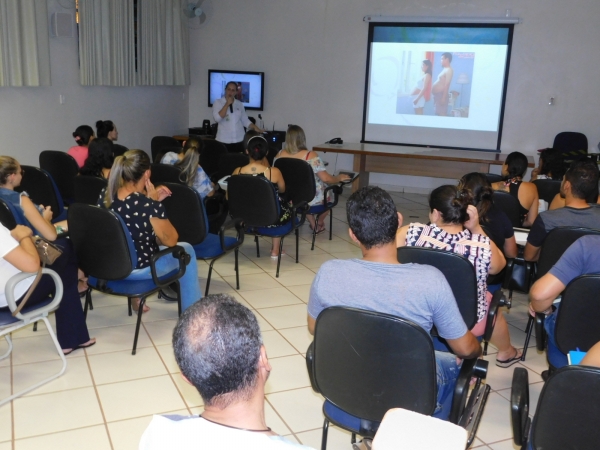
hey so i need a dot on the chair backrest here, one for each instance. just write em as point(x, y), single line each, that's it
point(459, 273)
point(102, 243)
point(87, 189)
point(118, 150)
point(63, 168)
point(7, 217)
point(571, 143)
point(547, 189)
point(510, 206)
point(231, 161)
point(579, 315)
point(367, 362)
point(41, 189)
point(159, 142)
point(210, 155)
point(556, 243)
point(567, 411)
point(252, 199)
point(493, 177)
point(299, 179)
point(185, 211)
point(165, 173)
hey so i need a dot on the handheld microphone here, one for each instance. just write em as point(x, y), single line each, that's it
point(231, 107)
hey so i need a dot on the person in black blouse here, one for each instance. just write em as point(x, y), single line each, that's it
point(131, 195)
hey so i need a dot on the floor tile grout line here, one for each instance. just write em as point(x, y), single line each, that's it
point(279, 415)
point(98, 399)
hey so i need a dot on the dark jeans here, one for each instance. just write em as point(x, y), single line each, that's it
point(71, 329)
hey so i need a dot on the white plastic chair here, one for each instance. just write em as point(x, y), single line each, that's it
point(28, 315)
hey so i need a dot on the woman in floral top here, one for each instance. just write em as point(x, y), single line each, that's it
point(454, 226)
point(295, 147)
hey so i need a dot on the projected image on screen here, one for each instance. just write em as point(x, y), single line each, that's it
point(436, 85)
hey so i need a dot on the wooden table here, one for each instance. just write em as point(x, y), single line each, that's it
point(416, 161)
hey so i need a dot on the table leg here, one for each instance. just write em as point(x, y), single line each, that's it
point(359, 165)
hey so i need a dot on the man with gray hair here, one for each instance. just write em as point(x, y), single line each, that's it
point(219, 349)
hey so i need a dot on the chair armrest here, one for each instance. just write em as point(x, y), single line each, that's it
point(510, 263)
point(239, 226)
point(498, 300)
point(540, 332)
point(519, 406)
point(470, 368)
point(302, 208)
point(310, 354)
point(12, 301)
point(178, 253)
point(337, 190)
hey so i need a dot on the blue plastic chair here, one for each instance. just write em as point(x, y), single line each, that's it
point(42, 190)
point(105, 252)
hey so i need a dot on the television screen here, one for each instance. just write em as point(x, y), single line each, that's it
point(250, 87)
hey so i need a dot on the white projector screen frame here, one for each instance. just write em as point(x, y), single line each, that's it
point(464, 110)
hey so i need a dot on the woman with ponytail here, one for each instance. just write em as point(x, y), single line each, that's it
point(107, 129)
point(132, 196)
point(84, 134)
point(257, 149)
point(454, 226)
point(191, 173)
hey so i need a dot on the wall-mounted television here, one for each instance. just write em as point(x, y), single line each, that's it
point(250, 87)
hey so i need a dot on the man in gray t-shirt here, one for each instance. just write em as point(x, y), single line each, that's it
point(378, 282)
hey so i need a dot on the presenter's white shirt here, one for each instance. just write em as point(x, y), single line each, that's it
point(231, 127)
point(7, 270)
point(187, 433)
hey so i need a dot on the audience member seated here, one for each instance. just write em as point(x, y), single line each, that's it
point(84, 134)
point(579, 182)
point(550, 167)
point(38, 217)
point(189, 162)
point(219, 349)
point(526, 193)
point(581, 258)
point(132, 196)
point(257, 148)
point(455, 227)
point(592, 357)
point(491, 217)
point(559, 199)
point(378, 282)
point(107, 129)
point(18, 254)
point(295, 147)
point(100, 159)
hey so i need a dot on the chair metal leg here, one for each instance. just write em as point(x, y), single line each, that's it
point(178, 292)
point(313, 239)
point(35, 326)
point(279, 257)
point(528, 332)
point(324, 437)
point(139, 321)
point(237, 270)
point(353, 438)
point(46, 380)
point(485, 346)
point(297, 245)
point(129, 310)
point(257, 247)
point(88, 303)
point(330, 224)
point(89, 290)
point(208, 278)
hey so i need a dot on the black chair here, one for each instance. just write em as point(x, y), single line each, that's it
point(7, 216)
point(300, 186)
point(493, 177)
point(118, 150)
point(63, 169)
point(566, 416)
point(165, 173)
point(43, 191)
point(105, 252)
point(87, 189)
point(461, 277)
point(510, 206)
point(547, 189)
point(186, 212)
point(159, 143)
point(365, 363)
point(254, 201)
point(228, 163)
point(210, 155)
point(555, 244)
point(571, 144)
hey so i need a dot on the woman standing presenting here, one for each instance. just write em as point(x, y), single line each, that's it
point(231, 116)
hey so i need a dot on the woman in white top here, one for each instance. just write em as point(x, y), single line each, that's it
point(422, 90)
point(231, 116)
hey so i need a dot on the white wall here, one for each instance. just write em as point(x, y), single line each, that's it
point(313, 53)
point(32, 119)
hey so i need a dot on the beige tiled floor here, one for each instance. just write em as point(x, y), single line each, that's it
point(107, 397)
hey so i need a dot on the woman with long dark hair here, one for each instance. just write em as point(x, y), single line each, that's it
point(100, 159)
point(422, 90)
